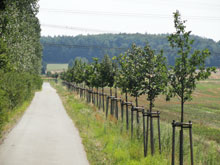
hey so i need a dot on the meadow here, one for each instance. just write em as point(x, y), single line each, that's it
point(57, 67)
point(108, 142)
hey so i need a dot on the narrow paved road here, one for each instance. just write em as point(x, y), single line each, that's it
point(44, 136)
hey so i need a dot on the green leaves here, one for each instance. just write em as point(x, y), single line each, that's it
point(143, 72)
point(20, 32)
point(20, 52)
point(130, 76)
point(77, 72)
point(155, 73)
point(96, 74)
point(107, 72)
point(189, 66)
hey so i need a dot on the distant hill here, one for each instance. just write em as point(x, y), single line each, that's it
point(63, 49)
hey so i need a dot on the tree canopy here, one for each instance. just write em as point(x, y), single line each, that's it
point(61, 49)
point(20, 53)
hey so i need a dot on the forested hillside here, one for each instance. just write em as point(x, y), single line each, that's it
point(62, 49)
point(20, 54)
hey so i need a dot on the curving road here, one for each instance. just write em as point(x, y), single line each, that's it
point(44, 136)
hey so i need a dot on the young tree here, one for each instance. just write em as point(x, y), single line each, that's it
point(189, 67)
point(134, 76)
point(155, 73)
point(123, 79)
point(96, 77)
point(105, 74)
point(154, 70)
point(78, 70)
point(130, 78)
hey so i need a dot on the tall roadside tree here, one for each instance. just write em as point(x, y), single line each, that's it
point(188, 69)
point(20, 53)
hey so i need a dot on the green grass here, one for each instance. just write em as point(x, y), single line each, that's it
point(10, 117)
point(107, 141)
point(57, 67)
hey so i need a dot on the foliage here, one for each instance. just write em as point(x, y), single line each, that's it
point(155, 74)
point(95, 77)
point(89, 72)
point(189, 67)
point(63, 54)
point(20, 32)
point(20, 54)
point(15, 88)
point(106, 74)
point(96, 74)
point(131, 73)
point(53, 75)
point(71, 61)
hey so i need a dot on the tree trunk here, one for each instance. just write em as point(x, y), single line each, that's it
point(116, 103)
point(127, 121)
point(137, 115)
point(103, 101)
point(181, 132)
point(97, 101)
point(92, 96)
point(151, 129)
point(111, 102)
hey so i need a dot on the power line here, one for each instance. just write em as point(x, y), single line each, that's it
point(137, 15)
point(179, 2)
point(103, 13)
point(84, 46)
point(78, 28)
point(104, 47)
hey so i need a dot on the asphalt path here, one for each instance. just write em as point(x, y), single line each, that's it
point(44, 136)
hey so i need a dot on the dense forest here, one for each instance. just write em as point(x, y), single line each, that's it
point(63, 49)
point(20, 54)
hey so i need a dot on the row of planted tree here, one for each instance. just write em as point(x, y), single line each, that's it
point(143, 71)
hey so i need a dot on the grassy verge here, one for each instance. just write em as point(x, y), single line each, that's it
point(107, 141)
point(10, 118)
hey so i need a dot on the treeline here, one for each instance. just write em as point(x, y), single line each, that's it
point(63, 49)
point(20, 54)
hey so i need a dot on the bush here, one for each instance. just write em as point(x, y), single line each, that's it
point(15, 88)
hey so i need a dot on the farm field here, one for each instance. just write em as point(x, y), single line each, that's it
point(57, 67)
point(203, 111)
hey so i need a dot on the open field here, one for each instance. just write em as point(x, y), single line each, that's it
point(57, 67)
point(203, 111)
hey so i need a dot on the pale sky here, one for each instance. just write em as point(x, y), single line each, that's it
point(74, 17)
